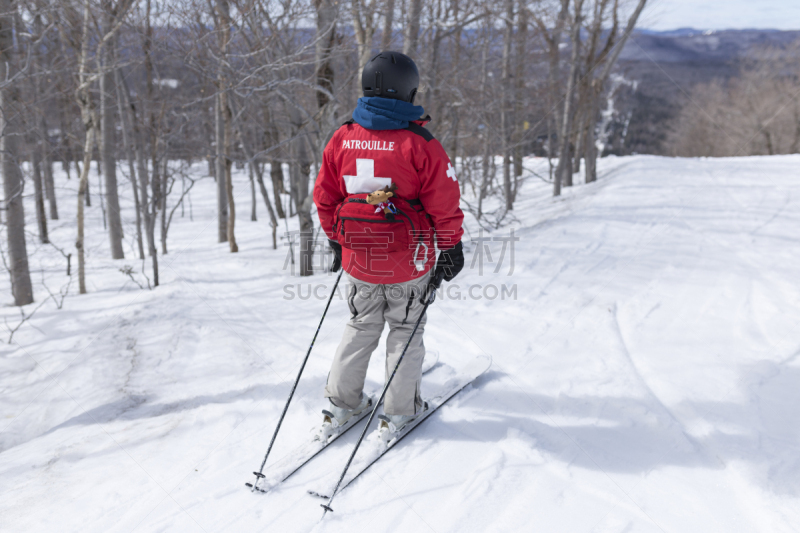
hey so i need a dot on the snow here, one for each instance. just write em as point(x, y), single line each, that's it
point(440, 386)
point(645, 378)
point(168, 82)
point(607, 114)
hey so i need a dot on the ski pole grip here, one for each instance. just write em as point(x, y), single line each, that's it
point(431, 297)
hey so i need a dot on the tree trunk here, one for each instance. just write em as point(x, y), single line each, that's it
point(126, 120)
point(229, 179)
point(253, 216)
point(41, 216)
point(363, 15)
point(579, 132)
point(487, 154)
point(82, 186)
point(83, 96)
point(590, 149)
point(163, 173)
point(299, 172)
point(49, 182)
point(219, 158)
point(44, 152)
point(273, 221)
point(564, 172)
point(505, 112)
point(219, 170)
point(157, 201)
point(386, 38)
point(65, 147)
point(107, 146)
point(36, 143)
point(519, 85)
point(100, 194)
point(554, 70)
point(224, 140)
point(412, 28)
point(149, 207)
point(275, 165)
point(303, 167)
point(138, 144)
point(455, 106)
point(9, 157)
point(599, 82)
point(327, 12)
point(256, 168)
point(432, 102)
point(87, 192)
point(278, 188)
point(793, 149)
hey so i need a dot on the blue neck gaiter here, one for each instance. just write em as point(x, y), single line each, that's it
point(376, 113)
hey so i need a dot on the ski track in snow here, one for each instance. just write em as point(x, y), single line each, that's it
point(645, 378)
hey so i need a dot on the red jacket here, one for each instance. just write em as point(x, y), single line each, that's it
point(360, 160)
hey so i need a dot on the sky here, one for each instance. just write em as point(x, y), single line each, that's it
point(721, 14)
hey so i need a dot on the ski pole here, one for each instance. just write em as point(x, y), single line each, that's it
point(260, 474)
point(327, 507)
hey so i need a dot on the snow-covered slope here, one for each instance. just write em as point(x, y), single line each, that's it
point(646, 373)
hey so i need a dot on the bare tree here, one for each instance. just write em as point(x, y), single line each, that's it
point(388, 20)
point(89, 117)
point(10, 122)
point(299, 171)
point(521, 59)
point(84, 100)
point(139, 148)
point(41, 122)
point(327, 16)
point(505, 113)
point(564, 172)
point(108, 135)
point(224, 132)
point(757, 113)
point(41, 216)
point(256, 169)
point(221, 160)
point(127, 119)
point(412, 26)
point(552, 39)
point(607, 59)
point(365, 22)
point(243, 82)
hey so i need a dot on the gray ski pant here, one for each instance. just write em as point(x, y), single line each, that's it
point(371, 306)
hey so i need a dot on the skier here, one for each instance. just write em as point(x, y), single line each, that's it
point(386, 189)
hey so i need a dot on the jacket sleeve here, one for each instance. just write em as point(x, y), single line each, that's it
point(327, 192)
point(440, 195)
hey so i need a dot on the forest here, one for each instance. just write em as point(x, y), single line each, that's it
point(148, 91)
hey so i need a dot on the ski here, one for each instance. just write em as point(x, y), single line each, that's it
point(377, 448)
point(283, 469)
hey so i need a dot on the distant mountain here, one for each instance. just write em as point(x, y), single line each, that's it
point(690, 45)
point(665, 66)
point(683, 32)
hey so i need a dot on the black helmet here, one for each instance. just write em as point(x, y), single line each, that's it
point(391, 75)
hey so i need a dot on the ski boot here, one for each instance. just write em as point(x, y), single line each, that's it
point(391, 425)
point(336, 417)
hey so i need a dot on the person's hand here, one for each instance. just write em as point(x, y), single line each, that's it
point(433, 285)
point(337, 255)
point(448, 266)
point(450, 262)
